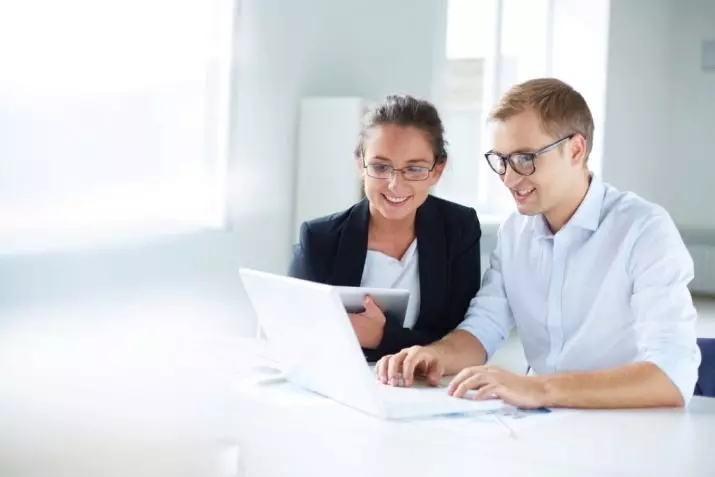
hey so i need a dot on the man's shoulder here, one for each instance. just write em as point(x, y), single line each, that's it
point(621, 210)
point(647, 232)
point(628, 210)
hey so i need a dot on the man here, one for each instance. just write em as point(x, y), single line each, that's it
point(594, 279)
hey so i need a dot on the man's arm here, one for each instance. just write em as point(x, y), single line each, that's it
point(637, 385)
point(459, 350)
point(486, 325)
point(664, 315)
point(665, 370)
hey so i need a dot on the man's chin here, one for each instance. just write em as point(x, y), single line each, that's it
point(528, 209)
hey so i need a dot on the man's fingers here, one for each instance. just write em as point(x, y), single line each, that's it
point(466, 373)
point(476, 381)
point(381, 368)
point(394, 368)
point(434, 375)
point(489, 391)
point(415, 357)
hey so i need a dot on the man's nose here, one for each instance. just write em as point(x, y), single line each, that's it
point(510, 177)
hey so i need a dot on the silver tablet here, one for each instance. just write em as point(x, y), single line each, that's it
point(390, 300)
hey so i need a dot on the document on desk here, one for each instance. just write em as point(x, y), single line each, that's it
point(508, 420)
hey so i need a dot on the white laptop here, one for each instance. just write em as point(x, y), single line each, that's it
point(308, 329)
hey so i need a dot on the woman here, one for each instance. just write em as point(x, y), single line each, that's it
point(399, 236)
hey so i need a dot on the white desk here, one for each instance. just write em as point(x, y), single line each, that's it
point(313, 436)
point(134, 399)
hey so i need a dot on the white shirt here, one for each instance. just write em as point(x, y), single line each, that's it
point(383, 271)
point(609, 289)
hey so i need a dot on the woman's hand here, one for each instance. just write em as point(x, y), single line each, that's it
point(369, 325)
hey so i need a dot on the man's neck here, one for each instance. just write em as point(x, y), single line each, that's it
point(559, 216)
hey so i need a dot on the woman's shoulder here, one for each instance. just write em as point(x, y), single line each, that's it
point(330, 225)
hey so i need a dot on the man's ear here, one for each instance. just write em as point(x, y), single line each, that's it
point(578, 147)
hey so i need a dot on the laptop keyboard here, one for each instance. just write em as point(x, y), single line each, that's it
point(413, 394)
point(429, 400)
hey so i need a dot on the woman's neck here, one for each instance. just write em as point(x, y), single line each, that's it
point(391, 237)
point(382, 226)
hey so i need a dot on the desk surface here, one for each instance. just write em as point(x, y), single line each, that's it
point(118, 405)
point(319, 437)
point(322, 438)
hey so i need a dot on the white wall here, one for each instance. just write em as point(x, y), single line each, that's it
point(579, 56)
point(660, 105)
point(691, 161)
point(286, 49)
point(289, 49)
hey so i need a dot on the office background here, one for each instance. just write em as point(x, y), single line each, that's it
point(641, 64)
point(150, 148)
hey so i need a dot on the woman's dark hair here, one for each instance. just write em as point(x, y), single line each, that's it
point(407, 111)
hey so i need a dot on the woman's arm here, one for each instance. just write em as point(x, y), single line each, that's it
point(300, 266)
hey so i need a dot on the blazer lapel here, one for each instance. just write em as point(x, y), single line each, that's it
point(432, 256)
point(352, 247)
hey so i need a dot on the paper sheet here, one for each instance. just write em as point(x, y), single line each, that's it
point(507, 421)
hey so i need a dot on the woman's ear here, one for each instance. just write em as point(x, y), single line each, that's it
point(359, 167)
point(437, 172)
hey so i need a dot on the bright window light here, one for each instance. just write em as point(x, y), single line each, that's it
point(113, 116)
point(491, 45)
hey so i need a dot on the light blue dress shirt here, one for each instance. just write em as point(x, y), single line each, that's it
point(610, 288)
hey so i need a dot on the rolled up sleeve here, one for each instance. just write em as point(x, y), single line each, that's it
point(663, 308)
point(489, 317)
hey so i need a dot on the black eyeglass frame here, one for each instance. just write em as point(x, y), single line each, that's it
point(530, 157)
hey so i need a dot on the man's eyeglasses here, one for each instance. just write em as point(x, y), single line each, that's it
point(386, 171)
point(521, 162)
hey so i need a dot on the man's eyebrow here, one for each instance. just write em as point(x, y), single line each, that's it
point(521, 150)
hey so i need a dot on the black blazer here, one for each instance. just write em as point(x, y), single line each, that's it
point(332, 250)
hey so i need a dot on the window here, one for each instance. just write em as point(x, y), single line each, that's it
point(113, 114)
point(491, 45)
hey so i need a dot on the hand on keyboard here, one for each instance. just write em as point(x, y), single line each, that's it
point(401, 369)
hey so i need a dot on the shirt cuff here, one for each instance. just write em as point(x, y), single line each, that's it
point(489, 336)
point(681, 366)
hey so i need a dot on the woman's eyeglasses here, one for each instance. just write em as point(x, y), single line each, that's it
point(386, 171)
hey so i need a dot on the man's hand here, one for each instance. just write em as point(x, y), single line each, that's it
point(400, 369)
point(495, 382)
point(369, 325)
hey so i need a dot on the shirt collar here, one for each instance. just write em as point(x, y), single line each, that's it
point(588, 214)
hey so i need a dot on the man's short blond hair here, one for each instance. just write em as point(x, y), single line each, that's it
point(561, 109)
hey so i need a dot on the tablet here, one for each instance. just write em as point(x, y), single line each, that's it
point(390, 300)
